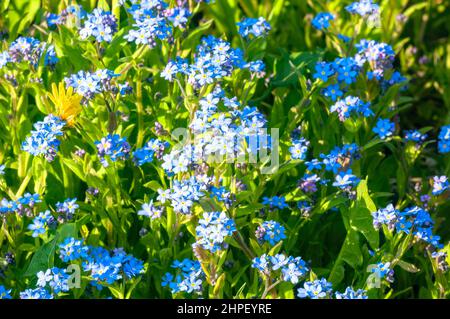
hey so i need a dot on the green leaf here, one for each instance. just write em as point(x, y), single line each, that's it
point(277, 8)
point(117, 43)
point(153, 185)
point(289, 68)
point(408, 267)
point(361, 215)
point(239, 294)
point(329, 202)
point(247, 209)
point(42, 259)
point(116, 292)
point(362, 195)
point(275, 249)
point(239, 275)
point(133, 286)
point(193, 39)
point(21, 14)
point(27, 247)
point(361, 220)
point(350, 253)
point(415, 7)
point(352, 126)
point(371, 144)
point(256, 247)
point(219, 285)
point(66, 231)
point(401, 181)
point(75, 168)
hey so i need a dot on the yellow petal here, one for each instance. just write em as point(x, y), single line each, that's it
point(67, 103)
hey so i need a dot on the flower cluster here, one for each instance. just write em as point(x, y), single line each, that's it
point(30, 50)
point(43, 140)
point(440, 184)
point(413, 220)
point(351, 104)
point(220, 135)
point(72, 249)
point(251, 26)
point(366, 9)
point(322, 20)
point(415, 136)
point(38, 293)
point(270, 231)
point(107, 267)
point(185, 193)
point(275, 202)
point(154, 20)
point(385, 216)
point(101, 25)
point(338, 159)
point(67, 208)
point(212, 230)
point(197, 191)
point(290, 269)
point(344, 69)
point(215, 59)
point(350, 293)
point(317, 289)
point(308, 183)
point(222, 194)
point(395, 77)
point(103, 266)
point(21, 206)
point(55, 278)
point(322, 289)
point(89, 84)
point(383, 270)
point(150, 210)
point(153, 148)
point(40, 223)
point(113, 147)
point(372, 58)
point(189, 277)
point(71, 11)
point(379, 57)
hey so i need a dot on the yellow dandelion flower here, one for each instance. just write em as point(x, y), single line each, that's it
point(67, 103)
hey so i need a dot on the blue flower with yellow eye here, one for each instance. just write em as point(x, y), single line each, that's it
point(5, 294)
point(384, 128)
point(333, 92)
point(271, 232)
point(322, 20)
point(323, 71)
